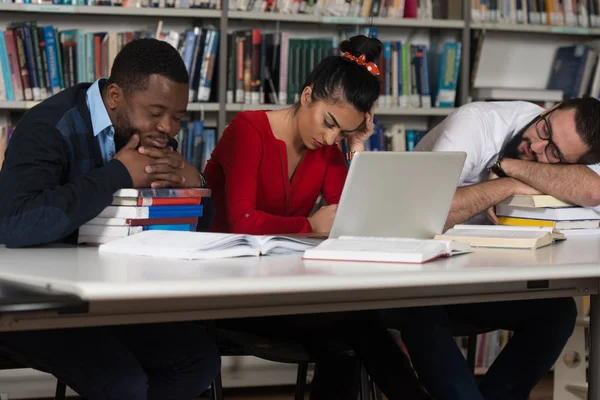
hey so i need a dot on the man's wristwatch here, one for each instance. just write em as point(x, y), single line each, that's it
point(497, 168)
point(202, 179)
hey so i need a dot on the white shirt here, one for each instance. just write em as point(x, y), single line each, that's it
point(481, 129)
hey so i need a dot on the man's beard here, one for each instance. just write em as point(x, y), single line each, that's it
point(511, 149)
point(123, 130)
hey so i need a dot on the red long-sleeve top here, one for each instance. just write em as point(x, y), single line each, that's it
point(248, 176)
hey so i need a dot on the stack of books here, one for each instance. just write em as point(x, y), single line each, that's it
point(544, 210)
point(136, 210)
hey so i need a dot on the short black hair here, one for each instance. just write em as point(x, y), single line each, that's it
point(337, 78)
point(587, 123)
point(141, 58)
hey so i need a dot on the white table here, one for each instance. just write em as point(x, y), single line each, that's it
point(124, 290)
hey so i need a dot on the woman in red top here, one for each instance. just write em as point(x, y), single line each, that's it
point(268, 169)
point(266, 174)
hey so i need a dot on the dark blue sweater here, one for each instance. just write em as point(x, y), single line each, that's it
point(53, 179)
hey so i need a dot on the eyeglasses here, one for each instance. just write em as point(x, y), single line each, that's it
point(544, 132)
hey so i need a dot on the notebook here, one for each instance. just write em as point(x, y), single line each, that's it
point(204, 245)
point(515, 237)
point(388, 250)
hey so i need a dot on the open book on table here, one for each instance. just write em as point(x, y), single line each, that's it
point(390, 250)
point(203, 245)
point(515, 237)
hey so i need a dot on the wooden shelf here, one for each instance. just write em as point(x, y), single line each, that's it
point(109, 10)
point(557, 30)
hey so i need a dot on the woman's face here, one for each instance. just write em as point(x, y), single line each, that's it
point(322, 123)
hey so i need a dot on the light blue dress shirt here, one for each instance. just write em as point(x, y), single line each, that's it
point(104, 131)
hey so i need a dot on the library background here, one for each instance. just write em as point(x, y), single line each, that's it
point(255, 54)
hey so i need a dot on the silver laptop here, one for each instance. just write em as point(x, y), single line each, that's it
point(398, 194)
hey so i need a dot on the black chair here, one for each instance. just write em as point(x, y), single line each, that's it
point(9, 359)
point(236, 343)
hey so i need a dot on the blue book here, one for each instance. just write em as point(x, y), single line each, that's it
point(90, 58)
point(198, 135)
point(401, 100)
point(209, 145)
point(171, 227)
point(424, 79)
point(188, 47)
point(152, 212)
point(410, 140)
point(386, 99)
point(447, 74)
point(10, 94)
point(80, 55)
point(568, 69)
point(30, 61)
point(52, 57)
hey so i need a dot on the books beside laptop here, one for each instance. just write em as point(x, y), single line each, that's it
point(457, 240)
point(397, 218)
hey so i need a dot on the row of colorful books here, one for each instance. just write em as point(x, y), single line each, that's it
point(37, 62)
point(270, 68)
point(205, 4)
point(421, 9)
point(136, 210)
point(573, 13)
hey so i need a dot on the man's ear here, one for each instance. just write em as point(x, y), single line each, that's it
point(114, 96)
point(306, 96)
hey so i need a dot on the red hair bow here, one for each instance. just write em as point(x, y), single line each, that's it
point(362, 60)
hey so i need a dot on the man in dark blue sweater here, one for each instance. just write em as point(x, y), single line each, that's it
point(65, 160)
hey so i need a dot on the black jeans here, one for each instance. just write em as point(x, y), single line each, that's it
point(540, 328)
point(138, 362)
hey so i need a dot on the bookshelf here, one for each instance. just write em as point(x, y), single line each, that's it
point(224, 20)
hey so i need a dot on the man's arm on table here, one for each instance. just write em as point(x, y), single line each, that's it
point(471, 200)
point(577, 184)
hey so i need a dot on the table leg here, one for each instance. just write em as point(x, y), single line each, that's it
point(594, 378)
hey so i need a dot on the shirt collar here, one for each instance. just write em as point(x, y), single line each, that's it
point(98, 113)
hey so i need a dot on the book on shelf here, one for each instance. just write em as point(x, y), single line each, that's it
point(514, 237)
point(205, 246)
point(385, 250)
point(137, 210)
point(536, 201)
point(575, 71)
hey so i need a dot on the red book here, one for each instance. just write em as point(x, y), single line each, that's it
point(168, 201)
